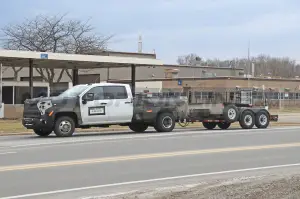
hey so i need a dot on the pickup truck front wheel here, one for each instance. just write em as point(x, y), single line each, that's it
point(138, 127)
point(165, 122)
point(64, 126)
point(42, 133)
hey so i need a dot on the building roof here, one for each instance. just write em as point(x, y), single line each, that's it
point(208, 78)
point(203, 67)
point(109, 53)
point(60, 60)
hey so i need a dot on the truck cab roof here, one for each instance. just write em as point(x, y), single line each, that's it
point(107, 84)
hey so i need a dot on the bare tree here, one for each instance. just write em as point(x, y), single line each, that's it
point(265, 65)
point(53, 34)
point(189, 59)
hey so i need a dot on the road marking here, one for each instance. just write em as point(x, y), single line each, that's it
point(155, 137)
point(10, 152)
point(144, 156)
point(149, 180)
point(85, 140)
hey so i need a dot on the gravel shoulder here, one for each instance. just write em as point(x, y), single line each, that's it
point(258, 187)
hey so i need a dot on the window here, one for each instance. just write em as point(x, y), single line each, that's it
point(98, 92)
point(115, 92)
point(74, 91)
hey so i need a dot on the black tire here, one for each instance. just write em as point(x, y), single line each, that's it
point(138, 127)
point(59, 122)
point(231, 113)
point(224, 125)
point(42, 133)
point(165, 122)
point(247, 119)
point(156, 129)
point(262, 120)
point(209, 125)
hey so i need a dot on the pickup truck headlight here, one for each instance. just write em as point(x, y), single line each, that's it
point(43, 106)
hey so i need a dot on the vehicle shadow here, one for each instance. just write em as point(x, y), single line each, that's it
point(116, 133)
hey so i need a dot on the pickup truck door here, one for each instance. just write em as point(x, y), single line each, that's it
point(94, 111)
point(120, 107)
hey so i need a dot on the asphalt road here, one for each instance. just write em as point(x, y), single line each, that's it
point(100, 164)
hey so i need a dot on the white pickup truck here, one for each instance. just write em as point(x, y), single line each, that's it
point(98, 105)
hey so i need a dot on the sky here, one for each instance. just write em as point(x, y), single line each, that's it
point(212, 28)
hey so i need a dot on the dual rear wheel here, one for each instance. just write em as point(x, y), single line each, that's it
point(165, 122)
point(212, 125)
point(247, 120)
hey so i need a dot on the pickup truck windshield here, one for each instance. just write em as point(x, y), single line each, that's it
point(74, 91)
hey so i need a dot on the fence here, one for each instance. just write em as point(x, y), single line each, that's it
point(276, 100)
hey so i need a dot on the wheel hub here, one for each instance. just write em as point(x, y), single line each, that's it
point(65, 126)
point(167, 122)
point(248, 120)
point(231, 114)
point(263, 119)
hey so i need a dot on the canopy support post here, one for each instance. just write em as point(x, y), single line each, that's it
point(75, 76)
point(31, 78)
point(133, 68)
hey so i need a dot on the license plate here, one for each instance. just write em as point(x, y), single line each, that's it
point(97, 111)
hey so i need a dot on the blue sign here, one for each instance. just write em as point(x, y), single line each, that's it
point(44, 56)
point(179, 82)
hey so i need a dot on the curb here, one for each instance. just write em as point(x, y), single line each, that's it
point(99, 130)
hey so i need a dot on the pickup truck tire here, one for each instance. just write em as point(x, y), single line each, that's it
point(42, 133)
point(138, 127)
point(209, 125)
point(224, 125)
point(247, 119)
point(262, 119)
point(64, 126)
point(230, 113)
point(165, 122)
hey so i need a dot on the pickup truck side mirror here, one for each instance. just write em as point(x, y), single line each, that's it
point(87, 97)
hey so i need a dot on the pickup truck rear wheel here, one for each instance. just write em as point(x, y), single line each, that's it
point(165, 122)
point(138, 127)
point(209, 125)
point(64, 126)
point(42, 133)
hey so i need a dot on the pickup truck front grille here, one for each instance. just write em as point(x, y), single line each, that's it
point(31, 111)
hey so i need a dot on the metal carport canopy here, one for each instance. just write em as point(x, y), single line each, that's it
point(33, 59)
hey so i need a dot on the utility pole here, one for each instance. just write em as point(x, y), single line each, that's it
point(140, 44)
point(249, 64)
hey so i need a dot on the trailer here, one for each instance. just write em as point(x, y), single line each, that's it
point(226, 114)
point(228, 106)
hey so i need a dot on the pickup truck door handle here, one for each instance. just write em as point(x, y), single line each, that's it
point(103, 103)
point(128, 102)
